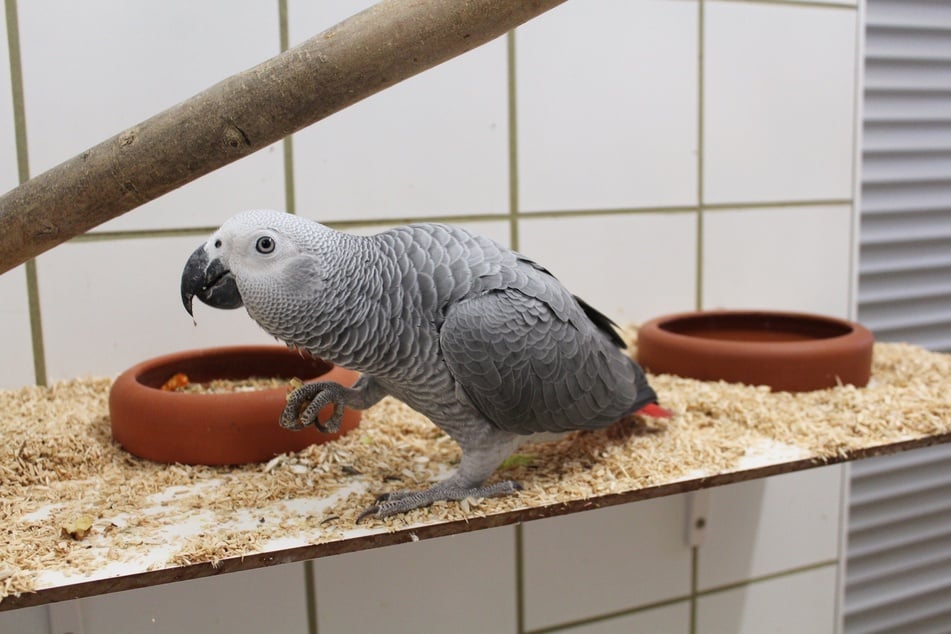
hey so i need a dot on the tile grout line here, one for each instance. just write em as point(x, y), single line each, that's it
point(513, 140)
point(698, 299)
point(137, 234)
point(290, 206)
point(287, 143)
point(601, 618)
point(694, 585)
point(768, 577)
point(796, 3)
point(23, 173)
point(513, 220)
point(695, 593)
point(519, 581)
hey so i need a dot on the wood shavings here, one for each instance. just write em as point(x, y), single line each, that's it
point(58, 462)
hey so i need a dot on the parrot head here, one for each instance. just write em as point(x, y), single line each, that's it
point(250, 250)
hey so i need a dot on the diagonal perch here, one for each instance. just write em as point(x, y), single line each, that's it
point(385, 44)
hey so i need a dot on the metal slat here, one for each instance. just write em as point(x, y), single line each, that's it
point(905, 256)
point(904, 226)
point(898, 572)
point(917, 134)
point(901, 480)
point(888, 168)
point(916, 504)
point(895, 588)
point(895, 42)
point(908, 74)
point(920, 15)
point(913, 196)
point(863, 469)
point(898, 106)
point(898, 561)
point(925, 614)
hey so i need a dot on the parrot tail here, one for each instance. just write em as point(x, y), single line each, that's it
point(646, 404)
point(654, 411)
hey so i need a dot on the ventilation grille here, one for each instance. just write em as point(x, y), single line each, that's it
point(905, 261)
point(898, 575)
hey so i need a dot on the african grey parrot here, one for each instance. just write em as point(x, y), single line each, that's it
point(480, 339)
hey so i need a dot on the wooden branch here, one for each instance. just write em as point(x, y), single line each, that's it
point(362, 55)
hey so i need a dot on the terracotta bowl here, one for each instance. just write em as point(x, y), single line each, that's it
point(217, 428)
point(792, 352)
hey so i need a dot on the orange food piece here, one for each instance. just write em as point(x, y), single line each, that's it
point(177, 381)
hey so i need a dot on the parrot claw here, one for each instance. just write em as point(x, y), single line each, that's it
point(401, 501)
point(304, 403)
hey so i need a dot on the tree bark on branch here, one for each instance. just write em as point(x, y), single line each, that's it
point(385, 44)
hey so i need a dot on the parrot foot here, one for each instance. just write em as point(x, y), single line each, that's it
point(401, 501)
point(305, 402)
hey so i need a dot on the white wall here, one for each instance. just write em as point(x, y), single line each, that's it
point(647, 180)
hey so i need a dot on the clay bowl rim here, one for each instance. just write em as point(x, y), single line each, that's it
point(226, 428)
point(853, 334)
point(132, 378)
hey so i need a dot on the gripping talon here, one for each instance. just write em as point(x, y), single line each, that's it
point(373, 510)
point(304, 403)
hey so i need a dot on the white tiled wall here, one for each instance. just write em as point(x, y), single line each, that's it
point(463, 583)
point(791, 604)
point(612, 124)
point(781, 258)
point(763, 527)
point(266, 600)
point(778, 123)
point(434, 145)
point(92, 69)
point(647, 181)
point(604, 561)
point(622, 275)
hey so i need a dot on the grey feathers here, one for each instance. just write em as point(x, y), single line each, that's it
point(450, 322)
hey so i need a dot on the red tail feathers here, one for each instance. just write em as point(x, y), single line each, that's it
point(654, 411)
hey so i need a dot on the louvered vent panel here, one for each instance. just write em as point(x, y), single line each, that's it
point(905, 263)
point(899, 555)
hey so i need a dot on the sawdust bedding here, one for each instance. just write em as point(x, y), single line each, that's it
point(59, 465)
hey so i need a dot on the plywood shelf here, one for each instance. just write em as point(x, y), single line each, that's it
point(191, 522)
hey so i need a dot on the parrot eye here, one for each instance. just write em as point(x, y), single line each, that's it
point(265, 244)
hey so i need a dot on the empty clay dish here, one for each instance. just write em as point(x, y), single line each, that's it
point(793, 352)
point(217, 428)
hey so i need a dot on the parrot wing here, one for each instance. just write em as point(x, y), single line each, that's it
point(533, 360)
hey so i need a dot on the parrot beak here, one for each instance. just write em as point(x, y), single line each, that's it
point(210, 281)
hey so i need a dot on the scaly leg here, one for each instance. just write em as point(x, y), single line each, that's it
point(480, 457)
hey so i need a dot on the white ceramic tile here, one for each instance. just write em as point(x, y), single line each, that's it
point(598, 562)
point(15, 336)
point(607, 105)
point(670, 619)
point(107, 305)
point(25, 621)
point(779, 102)
point(263, 600)
point(436, 143)
point(767, 526)
point(829, 2)
point(92, 69)
point(803, 602)
point(631, 267)
point(463, 583)
point(791, 258)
